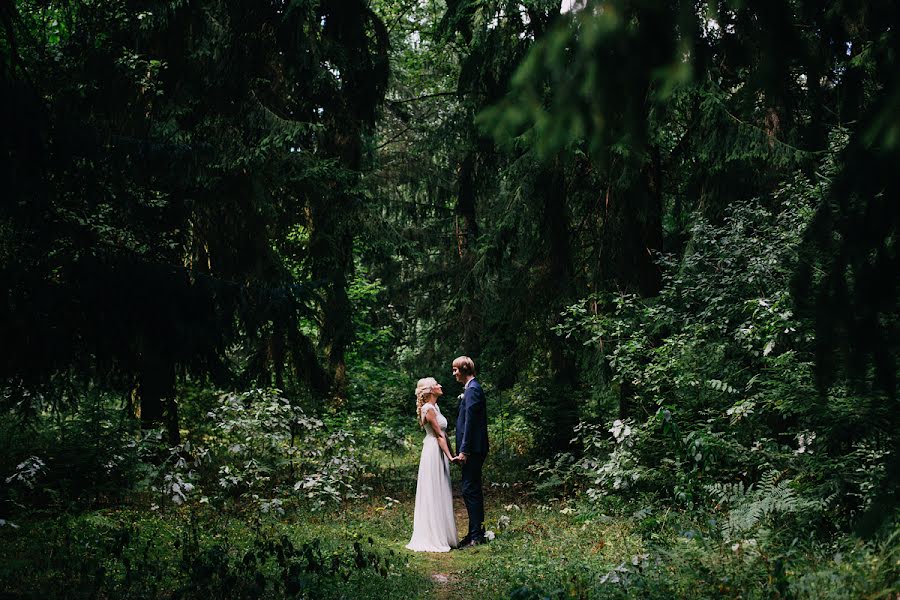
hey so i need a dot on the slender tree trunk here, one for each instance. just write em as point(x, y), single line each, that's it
point(558, 286)
point(157, 396)
point(359, 59)
point(331, 246)
point(651, 227)
point(331, 250)
point(466, 236)
point(632, 233)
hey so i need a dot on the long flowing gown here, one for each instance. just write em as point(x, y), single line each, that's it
point(434, 525)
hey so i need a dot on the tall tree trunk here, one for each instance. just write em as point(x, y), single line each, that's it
point(558, 289)
point(466, 236)
point(331, 250)
point(632, 233)
point(651, 227)
point(359, 62)
point(631, 237)
point(157, 395)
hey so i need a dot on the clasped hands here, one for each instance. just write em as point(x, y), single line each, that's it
point(459, 458)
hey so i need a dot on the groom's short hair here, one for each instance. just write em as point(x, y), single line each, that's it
point(465, 365)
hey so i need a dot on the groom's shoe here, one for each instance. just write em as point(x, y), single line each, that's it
point(471, 542)
point(465, 541)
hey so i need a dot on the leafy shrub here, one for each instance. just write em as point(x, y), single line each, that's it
point(175, 476)
point(750, 508)
point(140, 556)
point(515, 417)
point(716, 376)
point(267, 447)
point(76, 458)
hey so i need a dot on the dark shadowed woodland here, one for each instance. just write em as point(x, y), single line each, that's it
point(234, 233)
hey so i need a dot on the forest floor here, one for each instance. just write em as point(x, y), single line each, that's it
point(442, 568)
point(566, 547)
point(538, 541)
point(544, 547)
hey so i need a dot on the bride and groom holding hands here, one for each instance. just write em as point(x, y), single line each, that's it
point(434, 524)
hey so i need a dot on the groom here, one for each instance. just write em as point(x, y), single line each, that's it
point(471, 447)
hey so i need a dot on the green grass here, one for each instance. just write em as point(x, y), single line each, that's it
point(550, 548)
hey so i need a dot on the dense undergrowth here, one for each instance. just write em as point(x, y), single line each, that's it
point(136, 541)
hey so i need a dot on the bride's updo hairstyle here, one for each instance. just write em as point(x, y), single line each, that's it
point(423, 390)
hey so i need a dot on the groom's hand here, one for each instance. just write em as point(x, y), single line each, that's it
point(461, 458)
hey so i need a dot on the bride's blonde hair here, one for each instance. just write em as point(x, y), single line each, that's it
point(423, 390)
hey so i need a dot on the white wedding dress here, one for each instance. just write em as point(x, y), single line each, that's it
point(434, 525)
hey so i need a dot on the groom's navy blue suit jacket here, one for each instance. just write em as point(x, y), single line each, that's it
point(471, 424)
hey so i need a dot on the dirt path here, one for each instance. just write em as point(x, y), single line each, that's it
point(442, 567)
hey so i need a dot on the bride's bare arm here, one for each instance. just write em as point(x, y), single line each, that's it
point(431, 417)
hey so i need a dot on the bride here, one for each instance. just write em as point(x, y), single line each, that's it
point(434, 525)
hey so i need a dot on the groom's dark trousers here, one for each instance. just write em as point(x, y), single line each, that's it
point(473, 495)
point(472, 440)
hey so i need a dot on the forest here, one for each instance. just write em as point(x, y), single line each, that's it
point(234, 234)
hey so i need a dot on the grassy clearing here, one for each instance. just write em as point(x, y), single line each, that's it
point(560, 550)
point(544, 548)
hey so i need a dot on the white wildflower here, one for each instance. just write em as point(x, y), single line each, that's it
point(803, 442)
point(620, 430)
